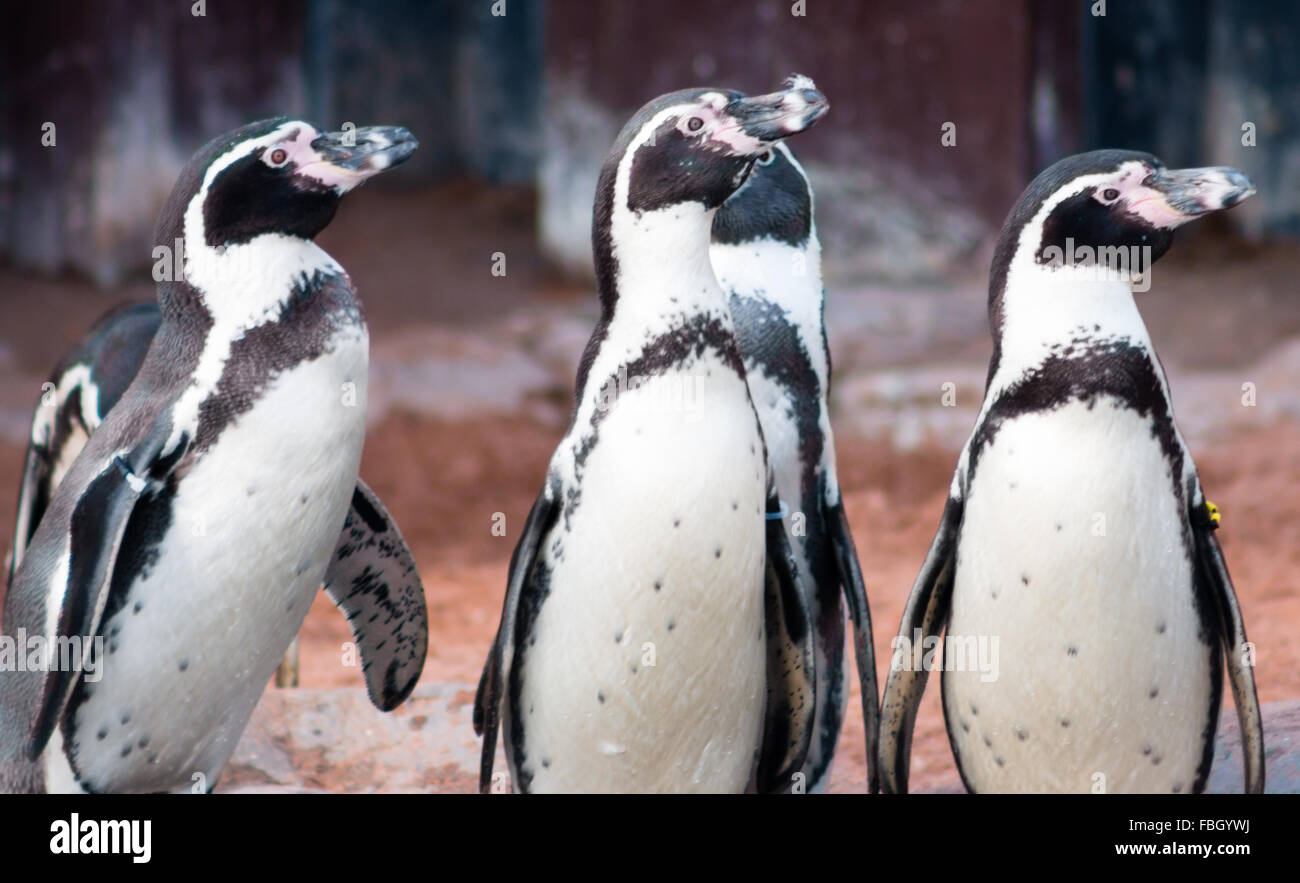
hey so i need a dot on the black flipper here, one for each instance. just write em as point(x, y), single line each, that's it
point(109, 355)
point(864, 651)
point(53, 439)
point(373, 580)
point(926, 613)
point(491, 686)
point(33, 497)
point(791, 667)
point(1213, 570)
point(98, 524)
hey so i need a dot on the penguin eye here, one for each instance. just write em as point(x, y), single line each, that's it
point(695, 124)
point(1110, 194)
point(766, 158)
point(279, 156)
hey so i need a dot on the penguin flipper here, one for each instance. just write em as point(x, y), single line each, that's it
point(1237, 654)
point(373, 581)
point(925, 614)
point(86, 384)
point(864, 651)
point(33, 493)
point(98, 523)
point(496, 672)
point(791, 669)
point(51, 442)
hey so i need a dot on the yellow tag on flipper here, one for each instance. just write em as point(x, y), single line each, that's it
point(1213, 512)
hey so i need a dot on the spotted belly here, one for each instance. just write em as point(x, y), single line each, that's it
point(1077, 656)
point(645, 667)
point(191, 642)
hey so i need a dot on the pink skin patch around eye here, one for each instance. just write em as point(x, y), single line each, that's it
point(727, 133)
point(1151, 206)
point(298, 147)
point(738, 140)
point(309, 164)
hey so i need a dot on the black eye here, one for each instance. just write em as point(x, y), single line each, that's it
point(1110, 194)
point(766, 159)
point(278, 156)
point(694, 124)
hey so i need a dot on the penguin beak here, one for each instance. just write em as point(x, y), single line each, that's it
point(349, 157)
point(1172, 197)
point(771, 117)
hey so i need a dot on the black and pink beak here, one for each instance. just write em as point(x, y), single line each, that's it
point(1172, 197)
point(777, 115)
point(351, 156)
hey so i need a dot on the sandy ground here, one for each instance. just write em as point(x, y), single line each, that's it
point(444, 479)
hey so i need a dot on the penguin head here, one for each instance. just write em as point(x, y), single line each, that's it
point(775, 202)
point(278, 176)
point(1104, 207)
point(698, 145)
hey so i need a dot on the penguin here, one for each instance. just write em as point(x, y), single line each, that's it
point(181, 549)
point(85, 385)
point(1087, 605)
point(767, 257)
point(653, 636)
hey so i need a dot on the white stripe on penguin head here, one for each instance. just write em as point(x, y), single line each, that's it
point(242, 285)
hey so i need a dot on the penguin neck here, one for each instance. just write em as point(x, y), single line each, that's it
point(790, 276)
point(660, 267)
point(654, 276)
point(1044, 310)
point(244, 285)
point(235, 285)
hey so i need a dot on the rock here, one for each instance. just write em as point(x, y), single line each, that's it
point(576, 133)
point(334, 740)
point(521, 363)
point(1281, 751)
point(1216, 404)
point(303, 741)
point(912, 407)
point(891, 226)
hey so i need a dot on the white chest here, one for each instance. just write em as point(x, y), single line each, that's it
point(252, 525)
point(1074, 609)
point(648, 669)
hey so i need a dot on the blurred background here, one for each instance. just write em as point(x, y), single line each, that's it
point(528, 94)
point(515, 103)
